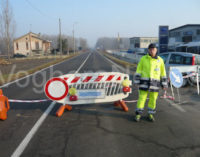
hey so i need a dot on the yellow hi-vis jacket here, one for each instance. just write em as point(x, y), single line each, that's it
point(151, 74)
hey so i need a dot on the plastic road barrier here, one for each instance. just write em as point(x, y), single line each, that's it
point(89, 88)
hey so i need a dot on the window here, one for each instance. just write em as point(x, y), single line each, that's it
point(137, 45)
point(193, 49)
point(179, 59)
point(198, 31)
point(187, 38)
point(188, 33)
point(17, 46)
point(37, 45)
point(175, 34)
point(176, 59)
point(187, 60)
point(26, 45)
point(164, 57)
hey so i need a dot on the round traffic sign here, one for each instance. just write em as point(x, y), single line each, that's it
point(56, 89)
point(176, 78)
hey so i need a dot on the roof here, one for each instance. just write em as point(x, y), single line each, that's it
point(26, 35)
point(190, 44)
point(187, 25)
point(180, 53)
point(34, 35)
point(41, 39)
point(143, 37)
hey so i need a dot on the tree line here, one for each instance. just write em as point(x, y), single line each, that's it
point(67, 43)
point(106, 43)
point(8, 29)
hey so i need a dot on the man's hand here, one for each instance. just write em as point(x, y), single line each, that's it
point(164, 89)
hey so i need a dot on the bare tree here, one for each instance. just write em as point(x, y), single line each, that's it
point(83, 43)
point(7, 25)
point(106, 43)
point(67, 42)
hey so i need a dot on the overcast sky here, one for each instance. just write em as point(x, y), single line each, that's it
point(103, 18)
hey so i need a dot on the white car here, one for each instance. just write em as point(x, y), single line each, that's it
point(181, 59)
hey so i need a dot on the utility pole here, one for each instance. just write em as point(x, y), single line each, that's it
point(68, 46)
point(118, 39)
point(60, 37)
point(7, 22)
point(73, 38)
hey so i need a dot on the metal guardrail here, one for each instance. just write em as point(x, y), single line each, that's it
point(129, 57)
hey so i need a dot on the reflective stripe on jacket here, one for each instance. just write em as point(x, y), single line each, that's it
point(150, 73)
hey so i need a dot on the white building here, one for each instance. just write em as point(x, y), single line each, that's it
point(142, 42)
point(31, 44)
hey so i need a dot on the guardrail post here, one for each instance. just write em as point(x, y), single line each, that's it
point(197, 78)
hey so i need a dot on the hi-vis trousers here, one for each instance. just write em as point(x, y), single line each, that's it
point(142, 99)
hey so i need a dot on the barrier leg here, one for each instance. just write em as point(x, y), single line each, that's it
point(68, 107)
point(60, 111)
point(116, 103)
point(123, 105)
point(62, 108)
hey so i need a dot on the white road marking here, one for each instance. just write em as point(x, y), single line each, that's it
point(7, 84)
point(177, 106)
point(32, 132)
point(22, 146)
point(82, 64)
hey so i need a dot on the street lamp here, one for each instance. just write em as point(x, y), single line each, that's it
point(74, 41)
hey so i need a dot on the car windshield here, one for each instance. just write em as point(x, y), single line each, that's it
point(164, 57)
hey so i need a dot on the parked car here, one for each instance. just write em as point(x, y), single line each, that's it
point(181, 59)
point(18, 55)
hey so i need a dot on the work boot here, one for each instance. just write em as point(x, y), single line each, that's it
point(137, 117)
point(151, 117)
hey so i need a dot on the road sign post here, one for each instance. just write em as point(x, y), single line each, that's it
point(176, 79)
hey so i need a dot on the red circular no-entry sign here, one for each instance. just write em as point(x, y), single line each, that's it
point(56, 89)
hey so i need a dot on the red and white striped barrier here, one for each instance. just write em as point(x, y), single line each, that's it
point(91, 78)
point(165, 96)
point(190, 75)
point(28, 101)
point(91, 88)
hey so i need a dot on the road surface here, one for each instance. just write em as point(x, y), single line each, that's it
point(96, 130)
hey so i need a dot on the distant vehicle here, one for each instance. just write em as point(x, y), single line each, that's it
point(130, 51)
point(180, 59)
point(17, 55)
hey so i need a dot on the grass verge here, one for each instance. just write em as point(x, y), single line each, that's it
point(121, 62)
point(11, 77)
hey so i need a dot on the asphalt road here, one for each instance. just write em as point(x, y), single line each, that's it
point(98, 130)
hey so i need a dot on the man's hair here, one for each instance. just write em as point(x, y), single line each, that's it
point(151, 46)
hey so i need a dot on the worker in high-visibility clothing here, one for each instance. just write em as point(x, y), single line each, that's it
point(4, 106)
point(149, 76)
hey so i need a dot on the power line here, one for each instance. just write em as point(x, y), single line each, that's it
point(39, 11)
